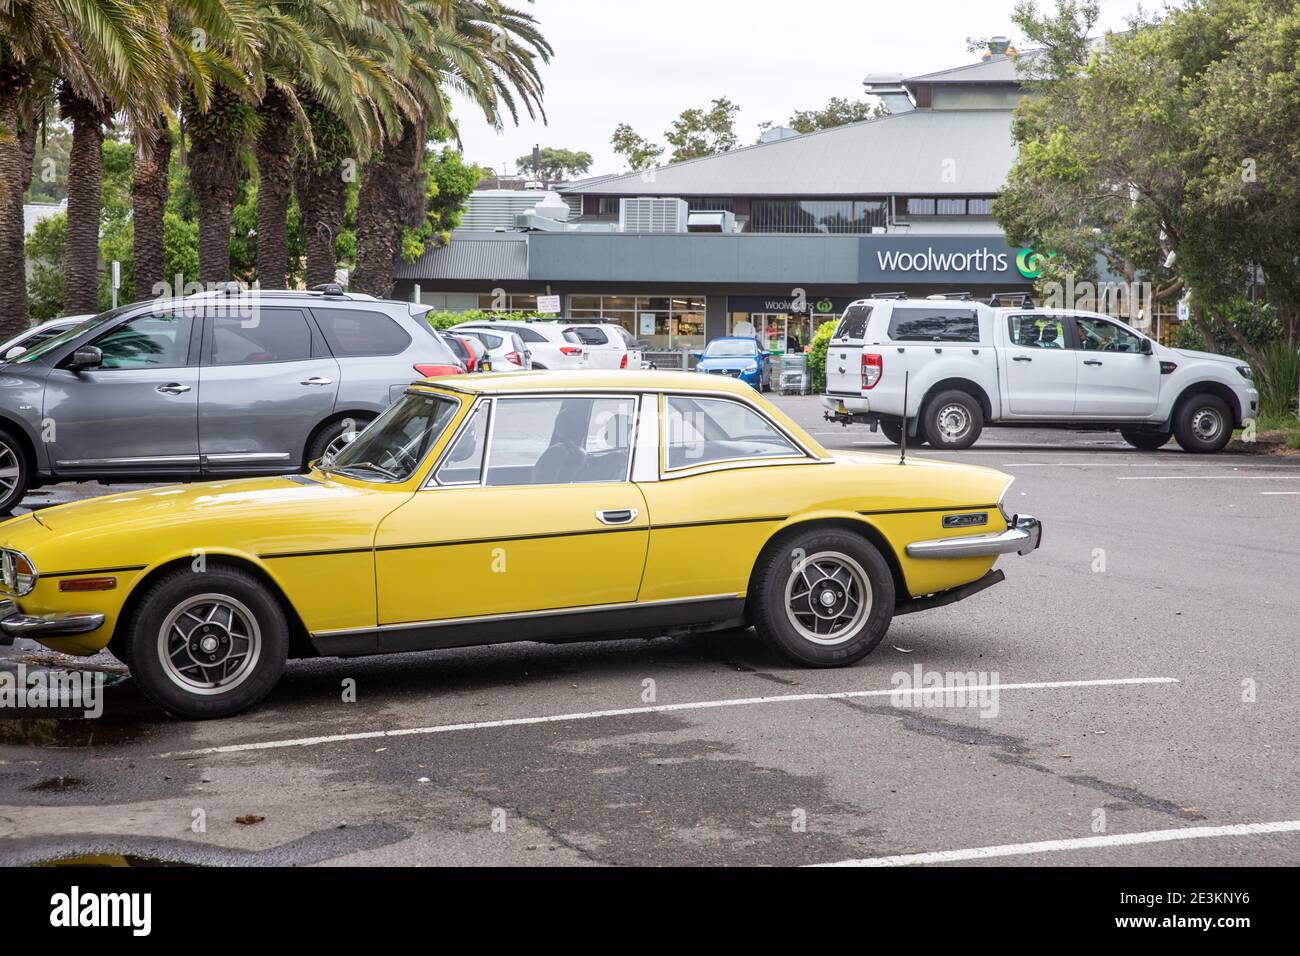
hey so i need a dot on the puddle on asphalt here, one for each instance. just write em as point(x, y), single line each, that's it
point(56, 732)
point(58, 784)
point(113, 860)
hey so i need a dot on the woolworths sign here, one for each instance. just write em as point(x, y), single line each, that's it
point(911, 260)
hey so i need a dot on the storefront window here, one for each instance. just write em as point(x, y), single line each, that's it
point(835, 216)
point(659, 322)
point(508, 302)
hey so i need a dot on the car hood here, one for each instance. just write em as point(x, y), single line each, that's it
point(1207, 356)
point(249, 516)
point(924, 483)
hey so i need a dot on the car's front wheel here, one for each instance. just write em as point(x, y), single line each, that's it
point(15, 471)
point(334, 437)
point(208, 643)
point(1146, 441)
point(1203, 424)
point(824, 598)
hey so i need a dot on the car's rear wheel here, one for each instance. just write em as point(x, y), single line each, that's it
point(893, 432)
point(208, 643)
point(1146, 441)
point(952, 420)
point(1203, 424)
point(823, 598)
point(334, 437)
point(15, 471)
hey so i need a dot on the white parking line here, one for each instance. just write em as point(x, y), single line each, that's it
point(1126, 464)
point(1079, 843)
point(1280, 492)
point(1207, 477)
point(655, 709)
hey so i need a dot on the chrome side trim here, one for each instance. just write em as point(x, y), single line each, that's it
point(521, 615)
point(1023, 536)
point(158, 460)
point(248, 456)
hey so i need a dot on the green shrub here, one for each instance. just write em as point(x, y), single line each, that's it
point(821, 341)
point(1277, 395)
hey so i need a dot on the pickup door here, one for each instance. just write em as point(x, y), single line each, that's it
point(1115, 378)
point(1039, 368)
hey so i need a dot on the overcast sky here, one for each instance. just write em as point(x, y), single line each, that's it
point(644, 61)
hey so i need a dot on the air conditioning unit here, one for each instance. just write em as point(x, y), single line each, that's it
point(653, 214)
point(711, 221)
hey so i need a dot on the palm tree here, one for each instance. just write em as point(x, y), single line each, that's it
point(321, 185)
point(104, 51)
point(481, 48)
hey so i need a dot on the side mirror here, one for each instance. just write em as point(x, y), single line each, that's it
point(14, 352)
point(88, 356)
point(1146, 347)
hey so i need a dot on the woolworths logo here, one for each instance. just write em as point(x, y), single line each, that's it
point(1031, 263)
point(983, 260)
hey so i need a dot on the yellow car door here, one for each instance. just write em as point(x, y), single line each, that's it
point(531, 509)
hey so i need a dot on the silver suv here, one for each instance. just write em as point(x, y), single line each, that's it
point(213, 385)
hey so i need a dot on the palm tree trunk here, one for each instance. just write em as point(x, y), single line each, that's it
point(148, 203)
point(85, 177)
point(17, 150)
point(274, 152)
point(392, 196)
point(322, 201)
point(215, 144)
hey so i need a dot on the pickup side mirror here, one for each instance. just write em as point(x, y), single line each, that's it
point(88, 356)
point(1146, 348)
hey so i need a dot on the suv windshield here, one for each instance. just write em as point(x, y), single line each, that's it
point(50, 344)
point(395, 443)
point(729, 348)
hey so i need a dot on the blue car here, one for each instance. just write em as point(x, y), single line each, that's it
point(737, 357)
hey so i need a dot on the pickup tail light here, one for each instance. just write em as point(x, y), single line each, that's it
point(571, 349)
point(622, 363)
point(873, 367)
point(433, 371)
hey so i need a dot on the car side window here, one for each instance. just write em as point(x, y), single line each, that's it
point(268, 335)
point(937, 324)
point(531, 335)
point(464, 462)
point(1037, 331)
point(1098, 335)
point(698, 431)
point(561, 440)
point(148, 341)
point(353, 333)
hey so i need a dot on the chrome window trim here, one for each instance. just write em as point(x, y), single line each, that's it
point(432, 480)
point(804, 454)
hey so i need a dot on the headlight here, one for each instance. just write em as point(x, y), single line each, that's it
point(17, 571)
point(1246, 372)
point(1002, 499)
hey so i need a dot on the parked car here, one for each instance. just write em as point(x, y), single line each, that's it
point(24, 341)
point(548, 344)
point(211, 385)
point(739, 357)
point(608, 345)
point(688, 502)
point(460, 347)
point(505, 350)
point(965, 364)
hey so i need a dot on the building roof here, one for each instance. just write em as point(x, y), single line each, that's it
point(904, 154)
point(999, 69)
point(501, 257)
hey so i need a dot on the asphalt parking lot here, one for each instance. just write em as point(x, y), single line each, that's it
point(1139, 675)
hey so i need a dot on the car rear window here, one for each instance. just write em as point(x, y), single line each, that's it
point(854, 323)
point(934, 325)
point(353, 332)
point(590, 334)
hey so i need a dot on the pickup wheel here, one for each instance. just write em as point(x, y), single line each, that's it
point(823, 598)
point(208, 643)
point(952, 420)
point(893, 432)
point(1146, 441)
point(15, 471)
point(1203, 423)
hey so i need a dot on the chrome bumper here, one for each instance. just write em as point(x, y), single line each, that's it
point(13, 623)
point(1023, 535)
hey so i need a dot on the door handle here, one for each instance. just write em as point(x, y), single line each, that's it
point(317, 380)
point(617, 516)
point(173, 388)
point(1021, 358)
point(1091, 362)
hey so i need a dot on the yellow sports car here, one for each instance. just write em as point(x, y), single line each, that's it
point(550, 506)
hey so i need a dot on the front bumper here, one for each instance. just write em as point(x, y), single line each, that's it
point(1024, 533)
point(14, 623)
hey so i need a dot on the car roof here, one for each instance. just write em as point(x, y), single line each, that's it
point(621, 380)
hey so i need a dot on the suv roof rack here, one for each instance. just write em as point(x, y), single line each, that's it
point(956, 296)
point(887, 295)
point(328, 288)
point(1013, 300)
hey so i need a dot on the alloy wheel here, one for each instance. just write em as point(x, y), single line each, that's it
point(827, 598)
point(209, 644)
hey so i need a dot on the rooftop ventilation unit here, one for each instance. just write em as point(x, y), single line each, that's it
point(711, 221)
point(891, 90)
point(653, 214)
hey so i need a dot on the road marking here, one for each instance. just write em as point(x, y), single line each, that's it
point(1280, 492)
point(655, 709)
point(1079, 843)
point(1126, 464)
point(1207, 477)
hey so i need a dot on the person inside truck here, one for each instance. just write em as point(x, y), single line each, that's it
point(1051, 334)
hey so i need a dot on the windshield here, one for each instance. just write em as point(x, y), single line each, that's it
point(50, 344)
point(730, 348)
point(395, 443)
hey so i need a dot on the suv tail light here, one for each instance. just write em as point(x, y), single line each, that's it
point(432, 371)
point(516, 358)
point(571, 349)
point(622, 363)
point(873, 366)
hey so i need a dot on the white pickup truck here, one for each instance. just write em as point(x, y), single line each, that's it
point(967, 364)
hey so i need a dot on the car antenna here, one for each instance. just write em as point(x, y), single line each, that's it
point(902, 444)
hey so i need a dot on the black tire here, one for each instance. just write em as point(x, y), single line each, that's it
point(893, 432)
point(804, 559)
point(13, 455)
point(942, 415)
point(1203, 424)
point(1146, 441)
point(182, 688)
point(328, 434)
